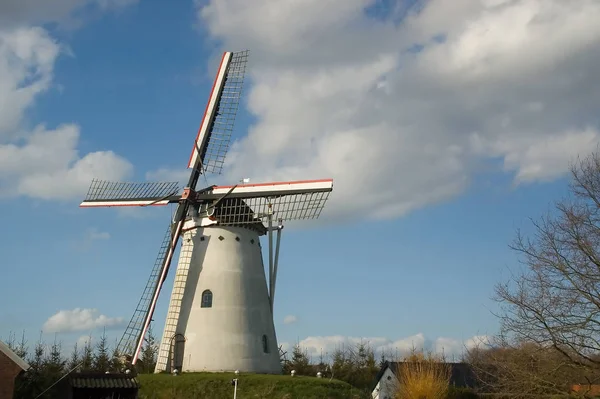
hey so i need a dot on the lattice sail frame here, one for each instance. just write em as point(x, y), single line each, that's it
point(283, 200)
point(129, 338)
point(214, 136)
point(104, 193)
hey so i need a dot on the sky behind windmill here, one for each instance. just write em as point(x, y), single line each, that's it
point(445, 124)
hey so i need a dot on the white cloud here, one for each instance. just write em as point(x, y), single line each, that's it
point(167, 175)
point(290, 319)
point(27, 57)
point(48, 166)
point(107, 4)
point(80, 319)
point(336, 94)
point(83, 340)
point(25, 12)
point(90, 236)
point(534, 159)
point(451, 348)
point(41, 163)
point(94, 234)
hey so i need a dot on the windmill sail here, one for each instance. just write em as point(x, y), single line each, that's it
point(214, 136)
point(165, 262)
point(286, 201)
point(107, 193)
point(251, 205)
point(128, 341)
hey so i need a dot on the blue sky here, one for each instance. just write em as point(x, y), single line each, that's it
point(415, 236)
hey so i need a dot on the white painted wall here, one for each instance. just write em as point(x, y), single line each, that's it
point(227, 336)
point(386, 387)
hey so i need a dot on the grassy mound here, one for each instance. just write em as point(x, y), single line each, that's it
point(218, 386)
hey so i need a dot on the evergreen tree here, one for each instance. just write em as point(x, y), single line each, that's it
point(356, 365)
point(24, 385)
point(322, 366)
point(341, 366)
point(101, 359)
point(22, 348)
point(37, 360)
point(52, 371)
point(19, 348)
point(35, 381)
point(87, 357)
point(382, 359)
point(366, 366)
point(149, 353)
point(55, 364)
point(116, 365)
point(74, 359)
point(300, 362)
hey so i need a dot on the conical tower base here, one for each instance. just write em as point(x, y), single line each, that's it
point(219, 316)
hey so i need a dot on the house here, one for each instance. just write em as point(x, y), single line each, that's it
point(386, 382)
point(100, 386)
point(11, 366)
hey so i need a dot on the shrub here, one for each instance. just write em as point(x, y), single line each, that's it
point(423, 377)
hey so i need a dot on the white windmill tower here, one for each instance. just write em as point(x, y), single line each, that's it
point(220, 315)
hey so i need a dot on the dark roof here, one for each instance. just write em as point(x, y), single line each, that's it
point(461, 374)
point(103, 381)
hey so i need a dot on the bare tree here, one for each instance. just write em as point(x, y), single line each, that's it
point(554, 302)
point(525, 369)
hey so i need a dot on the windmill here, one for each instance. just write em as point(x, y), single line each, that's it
point(220, 315)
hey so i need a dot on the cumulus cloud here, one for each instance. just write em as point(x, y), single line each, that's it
point(47, 165)
point(42, 162)
point(25, 12)
point(165, 174)
point(93, 234)
point(392, 348)
point(90, 236)
point(27, 57)
point(290, 319)
point(79, 319)
point(401, 110)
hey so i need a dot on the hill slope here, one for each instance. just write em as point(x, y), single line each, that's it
point(218, 386)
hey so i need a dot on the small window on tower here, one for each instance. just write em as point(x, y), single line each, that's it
point(206, 299)
point(265, 344)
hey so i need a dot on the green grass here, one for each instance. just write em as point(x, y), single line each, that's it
point(256, 386)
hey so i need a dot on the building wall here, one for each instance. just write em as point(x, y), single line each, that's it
point(8, 372)
point(229, 335)
point(386, 386)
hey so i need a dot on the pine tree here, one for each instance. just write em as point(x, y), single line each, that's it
point(37, 360)
point(54, 364)
point(116, 365)
point(87, 357)
point(300, 361)
point(35, 383)
point(101, 359)
point(149, 353)
point(74, 359)
point(23, 385)
point(22, 348)
point(382, 359)
point(52, 370)
point(322, 366)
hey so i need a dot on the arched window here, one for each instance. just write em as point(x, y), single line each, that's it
point(265, 344)
point(206, 299)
